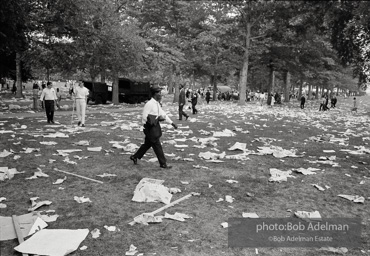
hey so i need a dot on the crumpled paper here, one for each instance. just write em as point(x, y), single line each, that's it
point(151, 190)
point(279, 176)
point(177, 216)
point(6, 173)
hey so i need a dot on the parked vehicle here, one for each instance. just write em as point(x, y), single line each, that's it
point(98, 92)
point(132, 91)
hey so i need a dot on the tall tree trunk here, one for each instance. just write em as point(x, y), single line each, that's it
point(18, 58)
point(244, 76)
point(271, 80)
point(214, 80)
point(177, 81)
point(300, 89)
point(171, 80)
point(317, 92)
point(193, 80)
point(48, 74)
point(115, 89)
point(286, 86)
point(309, 91)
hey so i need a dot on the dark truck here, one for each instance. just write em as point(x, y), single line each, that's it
point(98, 92)
point(132, 91)
point(129, 91)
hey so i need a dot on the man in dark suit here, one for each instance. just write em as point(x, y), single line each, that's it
point(182, 100)
point(152, 115)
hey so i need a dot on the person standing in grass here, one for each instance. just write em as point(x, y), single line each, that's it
point(208, 96)
point(152, 115)
point(303, 101)
point(81, 94)
point(49, 97)
point(194, 101)
point(354, 109)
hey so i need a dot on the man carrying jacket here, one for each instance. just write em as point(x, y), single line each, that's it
point(152, 115)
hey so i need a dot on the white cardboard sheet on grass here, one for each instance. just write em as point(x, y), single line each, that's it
point(56, 242)
point(29, 224)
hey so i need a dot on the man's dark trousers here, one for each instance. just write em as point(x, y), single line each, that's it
point(157, 147)
point(49, 108)
point(181, 112)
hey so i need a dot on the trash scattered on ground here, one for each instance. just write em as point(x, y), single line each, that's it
point(53, 242)
point(177, 216)
point(37, 205)
point(279, 176)
point(29, 224)
point(151, 190)
point(106, 175)
point(308, 215)
point(355, 199)
point(132, 251)
point(82, 199)
point(95, 233)
point(60, 181)
point(37, 174)
point(6, 173)
point(251, 215)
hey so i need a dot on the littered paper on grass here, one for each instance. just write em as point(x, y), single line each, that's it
point(5, 153)
point(209, 155)
point(308, 215)
point(238, 146)
point(56, 242)
point(147, 218)
point(251, 215)
point(29, 223)
point(6, 173)
point(82, 199)
point(151, 190)
point(94, 149)
point(279, 176)
point(60, 181)
point(38, 204)
point(37, 174)
point(355, 199)
point(177, 216)
point(308, 171)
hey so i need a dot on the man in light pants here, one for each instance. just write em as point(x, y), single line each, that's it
point(81, 93)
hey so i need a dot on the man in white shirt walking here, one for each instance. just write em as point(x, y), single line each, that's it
point(152, 115)
point(48, 94)
point(81, 94)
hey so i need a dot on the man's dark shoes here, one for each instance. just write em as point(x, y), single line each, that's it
point(52, 122)
point(186, 118)
point(165, 166)
point(134, 159)
point(79, 123)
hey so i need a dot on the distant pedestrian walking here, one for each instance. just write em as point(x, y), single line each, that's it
point(81, 94)
point(303, 101)
point(354, 108)
point(333, 101)
point(49, 97)
point(208, 96)
point(194, 101)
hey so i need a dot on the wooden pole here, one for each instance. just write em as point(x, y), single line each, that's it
point(80, 176)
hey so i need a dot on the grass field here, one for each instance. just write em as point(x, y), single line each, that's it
point(307, 132)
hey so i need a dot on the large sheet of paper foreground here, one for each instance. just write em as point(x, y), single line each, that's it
point(56, 242)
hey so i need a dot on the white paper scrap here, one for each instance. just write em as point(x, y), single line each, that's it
point(56, 242)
